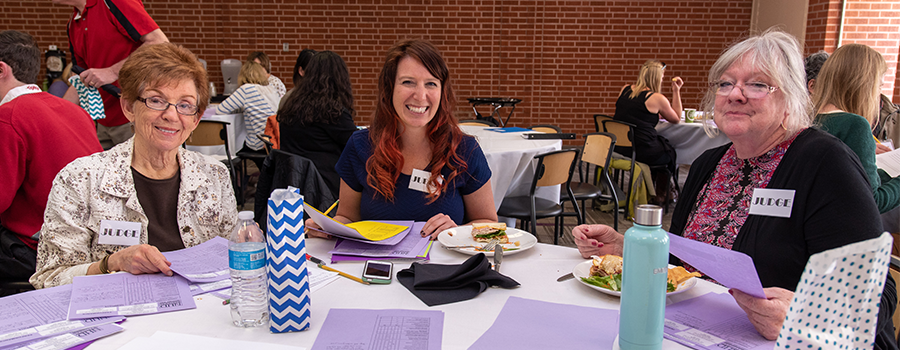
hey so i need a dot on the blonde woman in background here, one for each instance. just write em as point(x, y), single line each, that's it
point(257, 100)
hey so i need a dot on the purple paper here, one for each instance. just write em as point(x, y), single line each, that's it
point(374, 329)
point(126, 294)
point(731, 268)
point(712, 322)
point(75, 339)
point(206, 262)
point(37, 314)
point(531, 324)
point(409, 247)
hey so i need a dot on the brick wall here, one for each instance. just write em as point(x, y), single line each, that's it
point(566, 59)
point(876, 24)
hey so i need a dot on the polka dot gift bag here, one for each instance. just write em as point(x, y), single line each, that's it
point(835, 305)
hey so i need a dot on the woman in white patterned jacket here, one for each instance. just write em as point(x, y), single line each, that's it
point(160, 195)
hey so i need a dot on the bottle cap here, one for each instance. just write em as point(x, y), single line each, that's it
point(648, 215)
point(245, 215)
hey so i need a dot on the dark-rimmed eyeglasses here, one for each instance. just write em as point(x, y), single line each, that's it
point(750, 90)
point(158, 104)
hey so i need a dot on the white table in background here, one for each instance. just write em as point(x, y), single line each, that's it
point(535, 269)
point(511, 159)
point(689, 139)
point(237, 133)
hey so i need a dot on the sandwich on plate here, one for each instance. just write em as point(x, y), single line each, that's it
point(485, 232)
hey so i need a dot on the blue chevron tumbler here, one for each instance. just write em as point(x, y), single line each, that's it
point(247, 259)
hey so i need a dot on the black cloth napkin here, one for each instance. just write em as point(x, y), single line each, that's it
point(436, 284)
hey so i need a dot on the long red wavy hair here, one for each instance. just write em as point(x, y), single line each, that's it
point(443, 130)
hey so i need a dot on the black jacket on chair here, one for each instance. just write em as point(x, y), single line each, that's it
point(282, 169)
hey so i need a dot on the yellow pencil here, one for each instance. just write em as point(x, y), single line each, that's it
point(332, 206)
point(357, 279)
point(873, 136)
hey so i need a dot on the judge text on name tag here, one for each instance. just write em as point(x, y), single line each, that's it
point(119, 232)
point(772, 202)
point(419, 180)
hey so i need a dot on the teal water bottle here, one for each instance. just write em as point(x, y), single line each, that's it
point(644, 270)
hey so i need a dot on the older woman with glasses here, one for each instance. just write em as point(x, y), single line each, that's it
point(760, 99)
point(117, 210)
point(642, 104)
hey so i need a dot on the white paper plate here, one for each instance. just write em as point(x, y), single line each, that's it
point(462, 236)
point(583, 270)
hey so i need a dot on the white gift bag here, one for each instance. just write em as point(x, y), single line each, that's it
point(836, 302)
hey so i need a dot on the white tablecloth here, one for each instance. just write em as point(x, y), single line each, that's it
point(535, 269)
point(511, 159)
point(689, 139)
point(237, 133)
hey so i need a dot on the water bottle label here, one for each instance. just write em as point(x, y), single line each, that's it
point(247, 260)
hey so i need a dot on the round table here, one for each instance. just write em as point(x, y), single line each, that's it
point(690, 139)
point(511, 159)
point(535, 269)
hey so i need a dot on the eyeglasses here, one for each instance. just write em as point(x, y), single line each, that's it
point(159, 104)
point(750, 90)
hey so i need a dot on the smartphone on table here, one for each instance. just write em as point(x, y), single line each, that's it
point(378, 272)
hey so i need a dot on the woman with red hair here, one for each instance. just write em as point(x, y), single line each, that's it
point(414, 163)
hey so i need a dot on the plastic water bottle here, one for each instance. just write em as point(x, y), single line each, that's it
point(644, 271)
point(247, 260)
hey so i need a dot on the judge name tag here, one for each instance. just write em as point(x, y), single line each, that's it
point(772, 202)
point(119, 232)
point(419, 180)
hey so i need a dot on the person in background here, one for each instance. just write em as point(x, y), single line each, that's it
point(813, 64)
point(761, 104)
point(32, 124)
point(317, 120)
point(115, 32)
point(263, 60)
point(846, 99)
point(256, 99)
point(179, 198)
point(414, 135)
point(60, 85)
point(299, 71)
point(642, 104)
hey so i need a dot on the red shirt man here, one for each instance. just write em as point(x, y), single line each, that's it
point(102, 34)
point(39, 134)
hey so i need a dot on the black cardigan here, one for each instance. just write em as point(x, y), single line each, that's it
point(833, 207)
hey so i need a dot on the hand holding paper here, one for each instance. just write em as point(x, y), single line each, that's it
point(732, 269)
point(365, 231)
point(767, 315)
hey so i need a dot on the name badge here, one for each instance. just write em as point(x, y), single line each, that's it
point(419, 180)
point(119, 232)
point(772, 202)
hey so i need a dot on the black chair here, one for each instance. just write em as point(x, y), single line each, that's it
point(553, 168)
point(13, 287)
point(597, 152)
point(282, 169)
point(477, 122)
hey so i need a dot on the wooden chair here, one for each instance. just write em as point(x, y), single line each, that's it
point(215, 133)
point(477, 122)
point(553, 168)
point(598, 121)
point(624, 135)
point(597, 151)
point(547, 129)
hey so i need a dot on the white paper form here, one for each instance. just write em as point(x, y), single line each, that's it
point(38, 314)
point(175, 341)
point(319, 278)
point(889, 162)
point(206, 262)
point(127, 294)
point(203, 288)
point(68, 340)
point(357, 329)
point(712, 321)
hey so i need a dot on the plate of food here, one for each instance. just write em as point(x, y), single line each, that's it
point(604, 273)
point(471, 239)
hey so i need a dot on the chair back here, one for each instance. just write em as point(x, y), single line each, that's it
point(598, 121)
point(209, 133)
point(598, 148)
point(477, 122)
point(624, 132)
point(547, 129)
point(554, 168)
